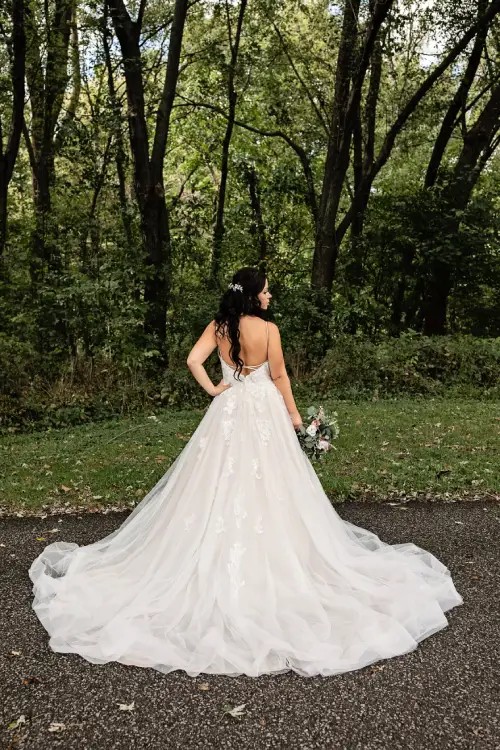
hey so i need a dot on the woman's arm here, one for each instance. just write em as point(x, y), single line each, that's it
point(197, 356)
point(280, 375)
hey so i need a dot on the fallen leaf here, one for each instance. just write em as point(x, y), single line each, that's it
point(442, 472)
point(57, 726)
point(31, 680)
point(17, 723)
point(460, 522)
point(64, 488)
point(15, 653)
point(126, 706)
point(203, 686)
point(41, 539)
point(236, 712)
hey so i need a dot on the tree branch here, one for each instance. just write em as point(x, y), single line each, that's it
point(408, 110)
point(304, 160)
point(309, 95)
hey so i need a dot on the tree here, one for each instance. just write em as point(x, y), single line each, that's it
point(149, 159)
point(232, 96)
point(455, 191)
point(10, 149)
point(47, 86)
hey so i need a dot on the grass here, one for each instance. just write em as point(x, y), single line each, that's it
point(387, 449)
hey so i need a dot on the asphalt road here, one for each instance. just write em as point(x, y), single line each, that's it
point(445, 694)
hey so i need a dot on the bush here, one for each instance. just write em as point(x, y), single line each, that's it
point(354, 368)
point(17, 365)
point(412, 364)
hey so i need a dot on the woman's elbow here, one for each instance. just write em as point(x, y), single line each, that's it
point(280, 376)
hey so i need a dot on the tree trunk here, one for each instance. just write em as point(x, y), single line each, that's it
point(47, 87)
point(219, 228)
point(458, 102)
point(455, 196)
point(325, 253)
point(348, 91)
point(120, 155)
point(9, 156)
point(257, 228)
point(148, 172)
point(372, 171)
point(364, 151)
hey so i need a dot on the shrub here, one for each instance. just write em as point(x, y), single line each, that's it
point(412, 364)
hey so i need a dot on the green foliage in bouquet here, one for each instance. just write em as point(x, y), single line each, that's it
point(316, 439)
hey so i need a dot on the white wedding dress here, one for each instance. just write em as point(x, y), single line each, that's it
point(237, 563)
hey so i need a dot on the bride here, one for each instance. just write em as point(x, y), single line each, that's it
point(236, 562)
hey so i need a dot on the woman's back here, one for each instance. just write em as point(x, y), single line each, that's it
point(253, 341)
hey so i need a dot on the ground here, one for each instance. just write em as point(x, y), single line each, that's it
point(443, 695)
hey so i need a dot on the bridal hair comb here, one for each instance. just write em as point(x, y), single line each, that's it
point(235, 287)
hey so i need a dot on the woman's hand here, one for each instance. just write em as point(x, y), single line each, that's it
point(220, 388)
point(296, 419)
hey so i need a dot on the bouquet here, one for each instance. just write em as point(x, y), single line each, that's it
point(316, 439)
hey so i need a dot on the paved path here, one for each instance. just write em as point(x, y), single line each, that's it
point(445, 694)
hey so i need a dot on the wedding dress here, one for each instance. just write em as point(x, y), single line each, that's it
point(236, 563)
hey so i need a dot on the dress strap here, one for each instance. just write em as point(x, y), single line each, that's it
point(267, 340)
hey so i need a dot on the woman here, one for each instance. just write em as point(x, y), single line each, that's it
point(236, 562)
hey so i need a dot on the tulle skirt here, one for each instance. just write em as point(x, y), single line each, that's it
point(236, 563)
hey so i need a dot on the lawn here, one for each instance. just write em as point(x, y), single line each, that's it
point(386, 450)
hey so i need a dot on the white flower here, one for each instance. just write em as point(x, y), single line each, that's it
point(219, 525)
point(256, 468)
point(312, 430)
point(229, 467)
point(230, 405)
point(259, 528)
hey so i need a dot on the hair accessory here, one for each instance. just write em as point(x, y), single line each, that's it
point(235, 287)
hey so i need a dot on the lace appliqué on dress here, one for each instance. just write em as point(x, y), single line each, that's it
point(239, 512)
point(256, 468)
point(227, 429)
point(264, 428)
point(230, 405)
point(258, 390)
point(219, 527)
point(229, 469)
point(202, 444)
point(235, 554)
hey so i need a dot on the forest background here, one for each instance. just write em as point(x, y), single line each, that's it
point(150, 148)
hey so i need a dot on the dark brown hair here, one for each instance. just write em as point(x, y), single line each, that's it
point(237, 302)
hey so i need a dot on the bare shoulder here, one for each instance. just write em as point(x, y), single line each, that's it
point(219, 330)
point(210, 330)
point(273, 329)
